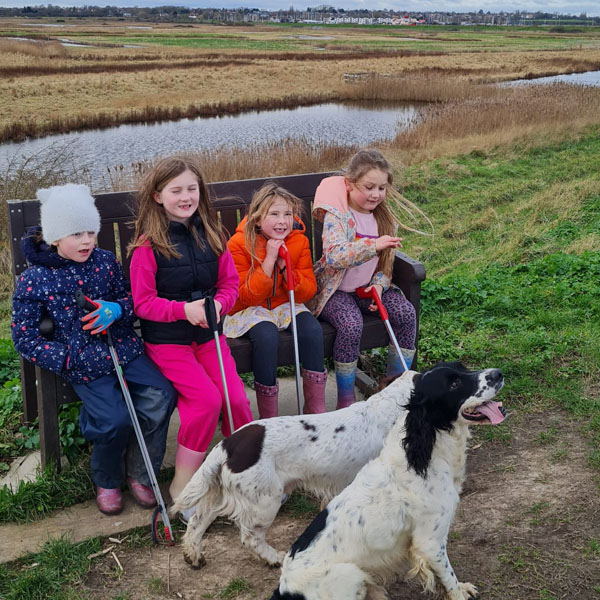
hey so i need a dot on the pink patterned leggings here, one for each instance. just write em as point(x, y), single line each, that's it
point(344, 311)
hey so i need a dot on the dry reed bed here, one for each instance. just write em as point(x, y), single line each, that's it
point(36, 49)
point(503, 115)
point(107, 67)
point(44, 66)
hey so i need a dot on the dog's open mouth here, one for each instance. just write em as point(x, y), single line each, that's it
point(491, 411)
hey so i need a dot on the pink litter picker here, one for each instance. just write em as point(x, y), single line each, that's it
point(361, 292)
point(290, 288)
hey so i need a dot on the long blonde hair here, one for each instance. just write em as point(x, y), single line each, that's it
point(387, 223)
point(152, 222)
point(259, 207)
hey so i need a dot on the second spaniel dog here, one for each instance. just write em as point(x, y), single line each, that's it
point(398, 510)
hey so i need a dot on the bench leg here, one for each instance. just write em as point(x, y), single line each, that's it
point(28, 391)
point(48, 417)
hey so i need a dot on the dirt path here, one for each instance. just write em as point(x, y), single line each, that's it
point(528, 528)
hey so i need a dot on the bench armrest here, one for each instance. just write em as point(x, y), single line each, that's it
point(408, 274)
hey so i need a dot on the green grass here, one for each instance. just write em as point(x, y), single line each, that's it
point(52, 574)
point(234, 588)
point(513, 272)
point(300, 505)
point(282, 37)
point(37, 499)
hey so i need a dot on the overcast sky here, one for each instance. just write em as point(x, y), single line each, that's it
point(569, 7)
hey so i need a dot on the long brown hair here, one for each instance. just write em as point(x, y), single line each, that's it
point(387, 222)
point(259, 207)
point(152, 222)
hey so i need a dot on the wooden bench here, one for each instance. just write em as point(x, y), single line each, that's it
point(44, 393)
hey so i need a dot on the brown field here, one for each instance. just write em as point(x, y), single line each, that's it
point(70, 88)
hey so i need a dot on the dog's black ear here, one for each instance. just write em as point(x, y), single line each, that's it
point(277, 595)
point(420, 435)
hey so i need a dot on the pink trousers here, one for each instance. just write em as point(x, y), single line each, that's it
point(194, 372)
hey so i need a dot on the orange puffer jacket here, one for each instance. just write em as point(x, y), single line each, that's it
point(256, 289)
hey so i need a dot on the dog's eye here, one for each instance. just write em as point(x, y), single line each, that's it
point(455, 384)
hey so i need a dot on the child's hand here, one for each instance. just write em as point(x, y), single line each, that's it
point(195, 314)
point(103, 317)
point(379, 288)
point(272, 257)
point(387, 241)
point(273, 249)
point(218, 307)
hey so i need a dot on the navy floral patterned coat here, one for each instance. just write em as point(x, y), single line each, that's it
point(47, 288)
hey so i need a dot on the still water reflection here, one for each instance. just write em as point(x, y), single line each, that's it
point(343, 124)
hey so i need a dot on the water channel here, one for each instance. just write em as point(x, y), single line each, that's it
point(591, 78)
point(96, 150)
point(338, 123)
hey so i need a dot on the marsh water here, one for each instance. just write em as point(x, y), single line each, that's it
point(97, 150)
point(588, 78)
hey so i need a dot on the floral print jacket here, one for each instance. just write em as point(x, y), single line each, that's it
point(341, 249)
point(48, 288)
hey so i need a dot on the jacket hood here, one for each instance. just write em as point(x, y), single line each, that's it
point(38, 252)
point(331, 195)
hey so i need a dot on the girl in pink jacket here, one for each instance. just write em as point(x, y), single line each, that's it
point(179, 257)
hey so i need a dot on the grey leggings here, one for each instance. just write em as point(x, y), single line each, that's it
point(344, 311)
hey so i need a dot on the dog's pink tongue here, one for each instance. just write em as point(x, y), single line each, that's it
point(492, 411)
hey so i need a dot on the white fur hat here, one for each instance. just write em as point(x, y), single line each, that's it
point(67, 209)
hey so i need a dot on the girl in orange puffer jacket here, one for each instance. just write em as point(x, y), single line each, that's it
point(263, 307)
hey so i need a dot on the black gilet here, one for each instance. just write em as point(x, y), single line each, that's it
point(191, 277)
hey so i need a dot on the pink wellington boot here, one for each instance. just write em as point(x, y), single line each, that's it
point(313, 386)
point(142, 494)
point(267, 399)
point(109, 500)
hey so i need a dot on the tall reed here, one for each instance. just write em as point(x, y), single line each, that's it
point(503, 115)
point(37, 48)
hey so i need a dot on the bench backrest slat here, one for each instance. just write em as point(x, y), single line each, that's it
point(231, 199)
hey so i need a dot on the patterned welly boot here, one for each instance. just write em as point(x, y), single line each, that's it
point(313, 386)
point(345, 373)
point(267, 399)
point(394, 364)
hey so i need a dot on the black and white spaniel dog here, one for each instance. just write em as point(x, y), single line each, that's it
point(244, 476)
point(398, 510)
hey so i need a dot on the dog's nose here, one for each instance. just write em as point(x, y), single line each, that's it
point(494, 377)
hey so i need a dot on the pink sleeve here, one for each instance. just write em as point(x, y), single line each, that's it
point(146, 303)
point(228, 282)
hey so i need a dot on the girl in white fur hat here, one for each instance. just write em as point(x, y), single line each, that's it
point(63, 260)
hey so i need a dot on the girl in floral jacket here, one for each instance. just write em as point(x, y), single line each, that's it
point(263, 308)
point(359, 240)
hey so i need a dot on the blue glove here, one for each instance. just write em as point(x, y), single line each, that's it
point(104, 316)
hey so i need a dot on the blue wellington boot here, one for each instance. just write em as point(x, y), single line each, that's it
point(394, 364)
point(345, 373)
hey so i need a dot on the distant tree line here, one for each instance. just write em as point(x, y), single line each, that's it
point(323, 14)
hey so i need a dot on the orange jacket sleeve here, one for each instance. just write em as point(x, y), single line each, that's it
point(256, 287)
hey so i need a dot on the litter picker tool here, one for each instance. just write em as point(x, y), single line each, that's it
point(161, 510)
point(361, 292)
point(211, 319)
point(290, 288)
